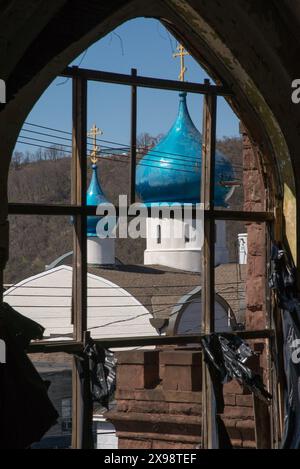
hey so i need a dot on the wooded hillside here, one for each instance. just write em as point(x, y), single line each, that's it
point(45, 177)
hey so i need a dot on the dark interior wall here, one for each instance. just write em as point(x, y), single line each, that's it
point(253, 45)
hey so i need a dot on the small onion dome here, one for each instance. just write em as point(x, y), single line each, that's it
point(95, 196)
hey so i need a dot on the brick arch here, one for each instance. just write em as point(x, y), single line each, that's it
point(247, 45)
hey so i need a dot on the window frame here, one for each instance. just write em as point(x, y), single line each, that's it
point(79, 211)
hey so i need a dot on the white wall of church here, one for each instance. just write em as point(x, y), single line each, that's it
point(177, 244)
point(112, 311)
point(100, 251)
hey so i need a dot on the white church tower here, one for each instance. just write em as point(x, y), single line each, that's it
point(170, 173)
point(100, 251)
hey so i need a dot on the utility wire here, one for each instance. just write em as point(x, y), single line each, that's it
point(109, 155)
point(100, 141)
point(118, 322)
point(151, 153)
point(108, 306)
point(192, 286)
point(143, 163)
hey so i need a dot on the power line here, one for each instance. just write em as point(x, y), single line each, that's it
point(64, 138)
point(145, 314)
point(118, 287)
point(159, 295)
point(118, 322)
point(111, 159)
point(189, 163)
point(114, 160)
point(66, 152)
point(109, 155)
point(123, 320)
point(109, 306)
point(124, 145)
point(59, 144)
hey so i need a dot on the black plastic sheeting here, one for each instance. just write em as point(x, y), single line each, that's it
point(102, 366)
point(25, 408)
point(97, 371)
point(226, 356)
point(283, 281)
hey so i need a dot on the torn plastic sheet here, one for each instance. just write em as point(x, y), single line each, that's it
point(97, 371)
point(102, 366)
point(228, 354)
point(283, 281)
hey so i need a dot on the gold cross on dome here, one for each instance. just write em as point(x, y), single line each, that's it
point(181, 53)
point(93, 133)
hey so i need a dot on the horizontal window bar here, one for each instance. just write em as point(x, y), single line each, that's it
point(54, 347)
point(145, 82)
point(73, 347)
point(241, 215)
point(60, 210)
point(38, 209)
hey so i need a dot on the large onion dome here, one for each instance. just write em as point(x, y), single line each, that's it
point(171, 171)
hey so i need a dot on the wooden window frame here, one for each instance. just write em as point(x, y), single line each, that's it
point(79, 211)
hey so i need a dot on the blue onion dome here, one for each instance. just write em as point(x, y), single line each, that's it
point(95, 196)
point(171, 171)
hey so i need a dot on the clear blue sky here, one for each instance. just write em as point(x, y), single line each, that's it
point(143, 44)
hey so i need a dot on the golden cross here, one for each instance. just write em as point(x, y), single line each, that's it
point(181, 53)
point(94, 132)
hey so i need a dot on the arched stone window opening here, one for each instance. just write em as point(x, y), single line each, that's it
point(211, 42)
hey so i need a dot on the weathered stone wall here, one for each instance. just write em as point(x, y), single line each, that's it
point(254, 201)
point(256, 277)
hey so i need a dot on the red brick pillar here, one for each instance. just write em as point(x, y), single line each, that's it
point(158, 407)
point(138, 369)
point(256, 281)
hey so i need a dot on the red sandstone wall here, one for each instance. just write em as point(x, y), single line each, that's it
point(164, 411)
point(254, 200)
point(256, 283)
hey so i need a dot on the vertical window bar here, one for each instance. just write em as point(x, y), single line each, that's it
point(208, 295)
point(4, 232)
point(133, 149)
point(79, 294)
